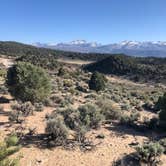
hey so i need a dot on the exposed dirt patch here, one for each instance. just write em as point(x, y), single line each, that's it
point(7, 62)
point(74, 62)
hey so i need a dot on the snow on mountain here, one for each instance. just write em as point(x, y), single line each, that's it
point(136, 48)
point(78, 42)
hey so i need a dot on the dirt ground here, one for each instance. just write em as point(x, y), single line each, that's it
point(116, 143)
point(6, 62)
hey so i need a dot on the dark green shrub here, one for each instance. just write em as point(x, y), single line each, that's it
point(162, 142)
point(149, 153)
point(162, 115)
point(57, 129)
point(3, 90)
point(28, 82)
point(162, 125)
point(97, 82)
point(161, 103)
point(161, 106)
point(153, 123)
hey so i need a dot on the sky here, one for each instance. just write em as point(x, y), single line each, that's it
point(103, 21)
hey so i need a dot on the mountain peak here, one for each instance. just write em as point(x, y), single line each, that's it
point(78, 42)
point(136, 48)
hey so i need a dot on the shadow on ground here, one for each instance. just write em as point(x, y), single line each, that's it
point(134, 130)
point(4, 100)
point(39, 141)
point(127, 160)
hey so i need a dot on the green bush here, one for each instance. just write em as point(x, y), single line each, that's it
point(149, 153)
point(12, 140)
point(56, 99)
point(80, 134)
point(109, 109)
point(20, 111)
point(62, 72)
point(8, 148)
point(90, 116)
point(97, 82)
point(25, 108)
point(78, 120)
point(28, 82)
point(71, 118)
point(2, 73)
point(15, 116)
point(87, 115)
point(39, 107)
point(57, 129)
point(129, 119)
point(162, 142)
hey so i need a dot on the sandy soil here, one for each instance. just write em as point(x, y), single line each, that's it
point(114, 145)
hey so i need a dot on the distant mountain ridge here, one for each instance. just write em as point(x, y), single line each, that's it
point(134, 48)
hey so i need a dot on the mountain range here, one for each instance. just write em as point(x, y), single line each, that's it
point(134, 48)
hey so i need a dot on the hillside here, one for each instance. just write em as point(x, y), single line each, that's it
point(136, 68)
point(16, 49)
point(139, 69)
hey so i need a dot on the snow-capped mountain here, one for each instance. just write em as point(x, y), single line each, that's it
point(135, 48)
point(75, 46)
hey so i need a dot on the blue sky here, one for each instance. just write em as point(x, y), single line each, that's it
point(104, 21)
